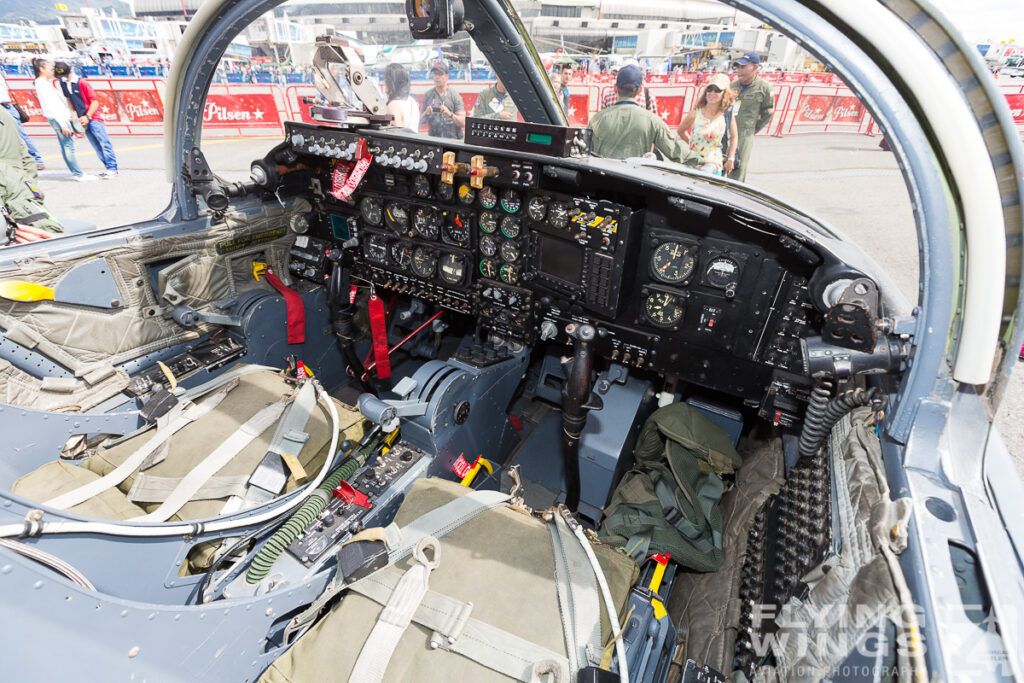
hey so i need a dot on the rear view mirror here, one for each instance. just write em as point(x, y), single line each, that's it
point(434, 18)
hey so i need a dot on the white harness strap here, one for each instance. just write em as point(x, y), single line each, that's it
point(397, 613)
point(578, 596)
point(221, 456)
point(173, 422)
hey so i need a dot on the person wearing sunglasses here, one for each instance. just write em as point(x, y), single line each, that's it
point(704, 127)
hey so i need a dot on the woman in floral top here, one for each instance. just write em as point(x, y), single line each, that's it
point(704, 127)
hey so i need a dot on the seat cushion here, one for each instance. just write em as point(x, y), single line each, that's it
point(57, 478)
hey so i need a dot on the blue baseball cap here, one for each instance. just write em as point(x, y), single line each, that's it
point(629, 75)
point(748, 58)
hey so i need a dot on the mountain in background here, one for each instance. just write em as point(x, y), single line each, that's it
point(46, 12)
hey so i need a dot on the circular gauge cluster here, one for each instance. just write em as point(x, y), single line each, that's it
point(673, 262)
point(663, 309)
point(494, 269)
point(557, 213)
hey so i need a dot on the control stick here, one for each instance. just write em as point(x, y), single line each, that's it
point(577, 401)
point(342, 313)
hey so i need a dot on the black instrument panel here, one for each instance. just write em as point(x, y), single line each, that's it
point(527, 254)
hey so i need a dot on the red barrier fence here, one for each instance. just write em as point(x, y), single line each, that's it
point(804, 103)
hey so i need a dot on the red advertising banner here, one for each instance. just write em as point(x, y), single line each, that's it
point(1016, 104)
point(578, 114)
point(658, 78)
point(813, 108)
point(240, 111)
point(846, 109)
point(141, 106)
point(670, 109)
point(819, 78)
point(108, 106)
point(30, 102)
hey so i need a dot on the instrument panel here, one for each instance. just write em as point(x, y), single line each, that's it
point(529, 254)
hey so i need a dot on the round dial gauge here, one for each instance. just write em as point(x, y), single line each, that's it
point(396, 217)
point(488, 198)
point(509, 274)
point(424, 262)
point(371, 210)
point(537, 208)
point(401, 254)
point(509, 252)
point(457, 227)
point(511, 201)
point(672, 263)
point(427, 222)
point(722, 272)
point(510, 227)
point(445, 191)
point(489, 269)
point(488, 245)
point(376, 248)
point(663, 309)
point(421, 186)
point(488, 221)
point(558, 214)
point(467, 195)
point(453, 269)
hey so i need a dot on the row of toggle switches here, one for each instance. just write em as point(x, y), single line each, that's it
point(417, 161)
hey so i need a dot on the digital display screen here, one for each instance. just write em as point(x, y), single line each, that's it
point(538, 138)
point(561, 259)
point(339, 227)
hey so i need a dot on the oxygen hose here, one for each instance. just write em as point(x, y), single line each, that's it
point(823, 414)
point(308, 511)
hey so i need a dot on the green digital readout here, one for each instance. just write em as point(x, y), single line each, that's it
point(538, 138)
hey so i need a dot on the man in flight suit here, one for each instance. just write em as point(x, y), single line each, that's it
point(625, 129)
point(755, 104)
point(17, 181)
point(495, 103)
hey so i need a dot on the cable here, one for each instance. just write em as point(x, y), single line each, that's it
point(208, 574)
point(163, 529)
point(53, 562)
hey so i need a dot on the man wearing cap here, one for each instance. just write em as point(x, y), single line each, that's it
point(441, 107)
point(755, 106)
point(625, 129)
point(83, 98)
point(643, 95)
point(495, 103)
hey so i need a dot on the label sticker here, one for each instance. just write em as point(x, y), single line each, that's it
point(236, 243)
point(461, 466)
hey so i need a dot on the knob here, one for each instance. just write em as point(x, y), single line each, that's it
point(515, 174)
point(548, 330)
point(407, 163)
point(382, 159)
point(297, 140)
point(528, 176)
point(395, 161)
point(420, 166)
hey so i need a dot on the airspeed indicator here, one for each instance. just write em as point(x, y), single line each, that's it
point(672, 262)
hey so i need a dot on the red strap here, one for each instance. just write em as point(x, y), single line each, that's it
point(296, 311)
point(378, 330)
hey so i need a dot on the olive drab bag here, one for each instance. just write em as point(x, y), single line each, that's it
point(668, 502)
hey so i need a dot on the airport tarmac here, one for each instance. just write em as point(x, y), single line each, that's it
point(846, 181)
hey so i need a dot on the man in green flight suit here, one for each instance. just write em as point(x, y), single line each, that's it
point(17, 181)
point(625, 129)
point(755, 103)
point(495, 103)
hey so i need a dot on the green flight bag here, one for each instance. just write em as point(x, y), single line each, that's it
point(668, 502)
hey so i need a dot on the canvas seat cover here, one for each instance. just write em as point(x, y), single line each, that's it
point(501, 561)
point(186, 449)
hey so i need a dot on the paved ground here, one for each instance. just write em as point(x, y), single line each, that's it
point(845, 180)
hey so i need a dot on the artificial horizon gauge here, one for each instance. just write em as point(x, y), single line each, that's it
point(663, 309)
point(401, 254)
point(537, 208)
point(511, 201)
point(672, 262)
point(510, 227)
point(457, 228)
point(445, 191)
point(467, 195)
point(558, 215)
point(489, 269)
point(488, 221)
point(509, 252)
point(427, 222)
point(396, 217)
point(722, 272)
point(487, 196)
point(376, 248)
point(424, 262)
point(488, 246)
point(421, 186)
point(452, 269)
point(371, 210)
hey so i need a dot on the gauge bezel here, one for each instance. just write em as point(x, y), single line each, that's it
point(445, 191)
point(489, 240)
point(544, 202)
point(415, 271)
point(518, 199)
point(380, 208)
point(437, 220)
point(646, 318)
point(491, 215)
point(466, 194)
point(392, 261)
point(394, 225)
point(380, 238)
point(511, 220)
point(495, 265)
point(430, 186)
point(508, 244)
point(488, 191)
point(440, 271)
point(446, 228)
point(509, 266)
point(711, 259)
point(688, 249)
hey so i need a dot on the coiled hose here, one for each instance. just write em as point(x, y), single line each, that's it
point(310, 508)
point(823, 414)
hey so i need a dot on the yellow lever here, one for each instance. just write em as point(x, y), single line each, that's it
point(660, 564)
point(475, 469)
point(18, 290)
point(257, 269)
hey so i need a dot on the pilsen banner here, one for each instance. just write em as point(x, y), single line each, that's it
point(829, 109)
point(240, 111)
